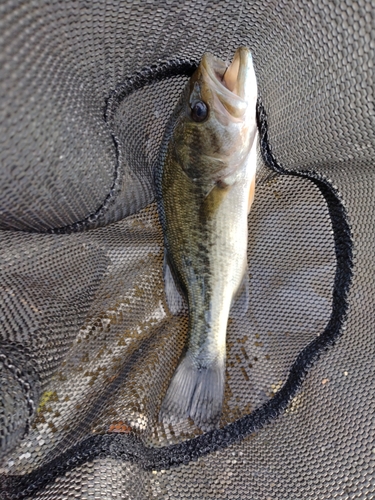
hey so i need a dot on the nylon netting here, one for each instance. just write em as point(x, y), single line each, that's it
point(88, 345)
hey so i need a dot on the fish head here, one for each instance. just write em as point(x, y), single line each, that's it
point(217, 127)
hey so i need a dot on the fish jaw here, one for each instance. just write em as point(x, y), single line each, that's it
point(229, 91)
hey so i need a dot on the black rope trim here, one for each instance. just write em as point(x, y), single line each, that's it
point(130, 448)
point(26, 388)
point(17, 360)
point(145, 76)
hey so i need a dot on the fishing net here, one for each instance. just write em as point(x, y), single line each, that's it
point(88, 344)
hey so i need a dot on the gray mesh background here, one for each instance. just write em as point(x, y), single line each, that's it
point(88, 345)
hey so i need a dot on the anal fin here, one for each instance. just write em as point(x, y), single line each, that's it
point(175, 300)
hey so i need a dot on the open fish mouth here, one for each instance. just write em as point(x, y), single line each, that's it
point(234, 85)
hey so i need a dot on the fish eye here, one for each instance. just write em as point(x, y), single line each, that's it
point(199, 111)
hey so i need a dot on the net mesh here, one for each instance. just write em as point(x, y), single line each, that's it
point(88, 344)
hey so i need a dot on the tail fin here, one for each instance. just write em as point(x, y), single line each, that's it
point(196, 393)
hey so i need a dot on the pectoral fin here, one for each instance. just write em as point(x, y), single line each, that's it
point(240, 302)
point(175, 301)
point(214, 198)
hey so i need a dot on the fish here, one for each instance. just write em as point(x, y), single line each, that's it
point(205, 185)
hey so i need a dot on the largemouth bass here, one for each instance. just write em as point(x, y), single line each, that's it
point(205, 181)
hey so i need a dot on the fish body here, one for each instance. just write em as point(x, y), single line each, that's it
point(205, 186)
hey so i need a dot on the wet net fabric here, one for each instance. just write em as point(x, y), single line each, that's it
point(88, 344)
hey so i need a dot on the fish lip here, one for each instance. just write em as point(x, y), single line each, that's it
point(229, 84)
